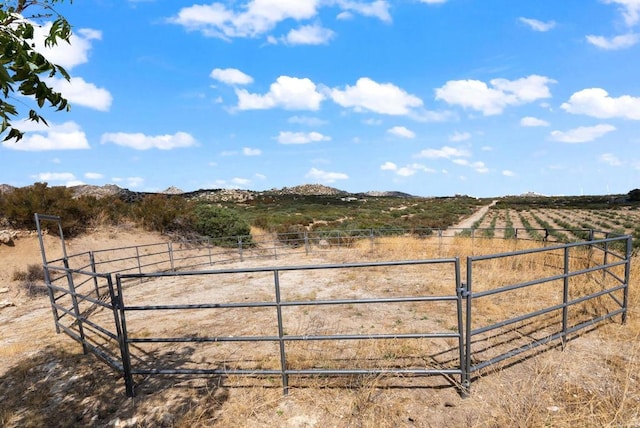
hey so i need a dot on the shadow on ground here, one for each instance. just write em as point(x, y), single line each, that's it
point(60, 388)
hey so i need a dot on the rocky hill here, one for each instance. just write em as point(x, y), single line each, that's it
point(216, 195)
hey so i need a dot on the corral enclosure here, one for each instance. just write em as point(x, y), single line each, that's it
point(333, 310)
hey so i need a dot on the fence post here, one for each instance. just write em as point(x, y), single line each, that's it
point(372, 238)
point(240, 248)
point(565, 296)
point(306, 243)
point(283, 357)
point(209, 249)
point(92, 260)
point(171, 260)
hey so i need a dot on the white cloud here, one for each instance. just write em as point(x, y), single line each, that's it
point(67, 55)
point(308, 121)
point(401, 131)
point(231, 76)
point(412, 169)
point(610, 159)
point(459, 136)
point(388, 166)
point(139, 141)
point(477, 95)
point(614, 43)
point(582, 134)
point(433, 1)
point(479, 166)
point(325, 176)
point(596, 102)
point(309, 35)
point(445, 152)
point(248, 151)
point(39, 137)
point(54, 176)
point(255, 17)
point(286, 137)
point(93, 175)
point(376, 9)
point(79, 92)
point(290, 93)
point(536, 25)
point(630, 10)
point(383, 98)
point(129, 182)
point(241, 181)
point(533, 121)
point(508, 173)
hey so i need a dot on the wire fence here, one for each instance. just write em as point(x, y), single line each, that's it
point(182, 308)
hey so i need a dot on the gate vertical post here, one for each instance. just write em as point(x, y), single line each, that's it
point(240, 248)
point(76, 307)
point(466, 383)
point(283, 356)
point(627, 273)
point(306, 242)
point(123, 339)
point(372, 238)
point(460, 294)
point(92, 260)
point(565, 296)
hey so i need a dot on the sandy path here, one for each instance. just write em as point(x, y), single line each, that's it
point(468, 222)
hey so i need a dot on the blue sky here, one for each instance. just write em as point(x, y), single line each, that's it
point(428, 97)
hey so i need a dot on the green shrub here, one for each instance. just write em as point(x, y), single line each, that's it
point(223, 224)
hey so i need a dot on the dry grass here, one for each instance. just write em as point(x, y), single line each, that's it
point(593, 382)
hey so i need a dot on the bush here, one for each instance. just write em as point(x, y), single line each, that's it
point(223, 224)
point(31, 280)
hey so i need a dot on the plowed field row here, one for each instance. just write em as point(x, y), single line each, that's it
point(499, 222)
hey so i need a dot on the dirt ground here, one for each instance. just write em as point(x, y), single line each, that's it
point(46, 380)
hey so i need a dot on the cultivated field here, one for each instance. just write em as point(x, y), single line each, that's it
point(46, 381)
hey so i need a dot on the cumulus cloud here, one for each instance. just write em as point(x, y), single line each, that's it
point(530, 121)
point(248, 151)
point(290, 93)
point(536, 25)
point(139, 141)
point(582, 134)
point(93, 176)
point(596, 102)
point(376, 9)
point(309, 35)
point(401, 131)
point(630, 10)
point(477, 95)
point(407, 170)
point(610, 159)
point(614, 43)
point(286, 137)
point(68, 55)
point(388, 166)
point(383, 98)
point(39, 137)
point(54, 176)
point(445, 152)
point(325, 176)
point(478, 166)
point(254, 18)
point(79, 92)
point(508, 173)
point(459, 136)
point(231, 76)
